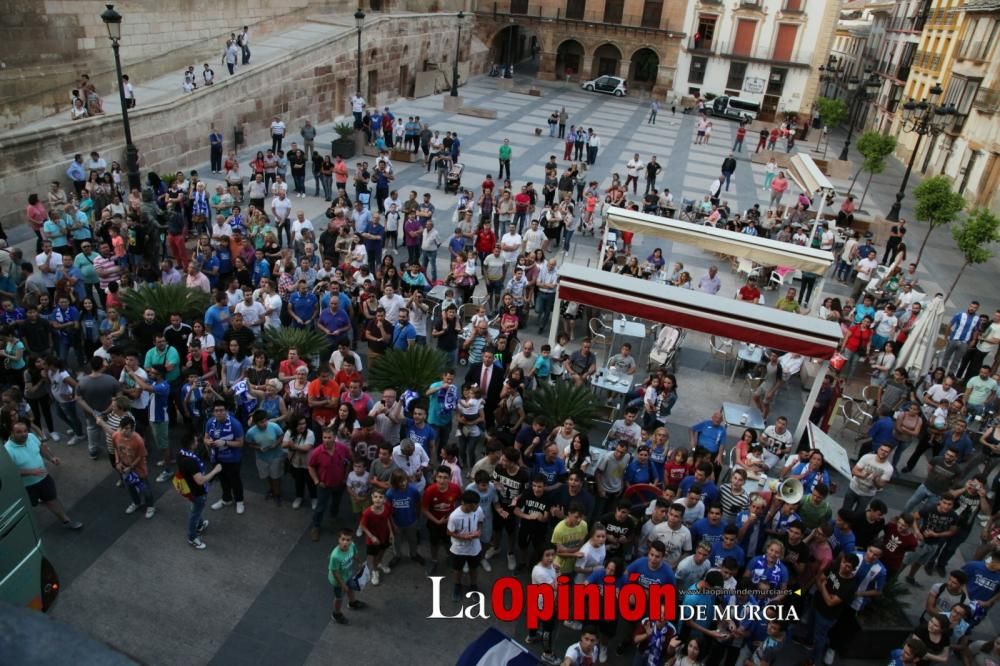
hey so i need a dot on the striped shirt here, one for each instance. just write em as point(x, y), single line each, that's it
point(731, 502)
point(962, 326)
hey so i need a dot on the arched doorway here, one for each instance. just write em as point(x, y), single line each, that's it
point(644, 68)
point(606, 60)
point(506, 46)
point(569, 59)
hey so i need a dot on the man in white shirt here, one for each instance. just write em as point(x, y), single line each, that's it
point(357, 108)
point(97, 163)
point(253, 312)
point(533, 238)
point(633, 168)
point(49, 263)
point(277, 134)
point(413, 460)
point(871, 473)
point(300, 224)
point(391, 302)
point(545, 293)
point(271, 301)
point(510, 247)
point(777, 441)
point(827, 239)
point(866, 271)
point(281, 209)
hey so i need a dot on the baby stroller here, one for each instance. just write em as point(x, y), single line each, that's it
point(665, 349)
point(454, 180)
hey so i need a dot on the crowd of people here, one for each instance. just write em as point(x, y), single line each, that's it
point(460, 468)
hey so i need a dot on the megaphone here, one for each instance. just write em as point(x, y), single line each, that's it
point(790, 491)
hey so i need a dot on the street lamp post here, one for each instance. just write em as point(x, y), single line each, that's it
point(458, 46)
point(113, 21)
point(859, 91)
point(920, 118)
point(359, 20)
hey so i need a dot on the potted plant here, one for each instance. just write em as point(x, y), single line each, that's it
point(344, 143)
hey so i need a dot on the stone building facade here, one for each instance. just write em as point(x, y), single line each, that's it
point(581, 39)
point(316, 85)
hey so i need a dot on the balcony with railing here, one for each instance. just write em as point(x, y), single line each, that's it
point(793, 6)
point(769, 53)
point(750, 4)
point(907, 23)
point(987, 100)
point(926, 60)
point(974, 50)
point(574, 14)
point(702, 46)
point(941, 18)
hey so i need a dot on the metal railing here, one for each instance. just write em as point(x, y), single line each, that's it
point(767, 52)
point(751, 4)
point(941, 18)
point(548, 13)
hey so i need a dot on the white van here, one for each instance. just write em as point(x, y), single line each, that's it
point(734, 108)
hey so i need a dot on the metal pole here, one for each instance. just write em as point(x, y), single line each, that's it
point(359, 63)
point(507, 74)
point(131, 152)
point(850, 127)
point(893, 215)
point(819, 214)
point(454, 69)
point(800, 427)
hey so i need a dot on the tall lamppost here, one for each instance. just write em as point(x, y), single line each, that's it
point(920, 118)
point(359, 20)
point(859, 91)
point(113, 21)
point(458, 45)
point(828, 75)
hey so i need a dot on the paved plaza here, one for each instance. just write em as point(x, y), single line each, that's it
point(258, 594)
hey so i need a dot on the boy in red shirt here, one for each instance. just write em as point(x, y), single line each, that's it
point(438, 502)
point(376, 523)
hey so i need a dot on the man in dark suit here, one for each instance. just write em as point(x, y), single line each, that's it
point(489, 377)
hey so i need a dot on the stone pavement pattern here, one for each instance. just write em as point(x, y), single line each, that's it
point(259, 593)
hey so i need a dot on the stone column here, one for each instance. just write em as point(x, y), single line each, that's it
point(547, 67)
point(623, 67)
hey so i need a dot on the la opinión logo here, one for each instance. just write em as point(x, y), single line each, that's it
point(511, 599)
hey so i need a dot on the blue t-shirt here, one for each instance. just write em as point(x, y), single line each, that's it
point(401, 336)
point(719, 554)
point(709, 491)
point(693, 597)
point(441, 405)
point(227, 429)
point(710, 436)
point(639, 473)
point(268, 439)
point(842, 542)
point(421, 436)
point(211, 267)
point(27, 456)
point(303, 305)
point(552, 472)
point(663, 575)
point(759, 570)
point(703, 530)
point(982, 583)
point(217, 320)
point(61, 316)
point(158, 402)
point(405, 505)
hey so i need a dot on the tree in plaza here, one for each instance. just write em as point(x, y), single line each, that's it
point(974, 237)
point(832, 112)
point(937, 204)
point(875, 148)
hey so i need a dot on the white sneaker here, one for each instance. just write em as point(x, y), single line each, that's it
point(159, 463)
point(163, 476)
point(511, 562)
point(150, 512)
point(490, 552)
point(358, 531)
point(73, 441)
point(69, 433)
point(485, 564)
point(131, 508)
point(384, 568)
point(240, 508)
point(465, 568)
point(197, 544)
point(314, 503)
point(54, 436)
point(375, 577)
point(219, 504)
point(602, 655)
point(829, 656)
point(297, 503)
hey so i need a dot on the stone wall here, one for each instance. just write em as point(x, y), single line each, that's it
point(48, 44)
point(173, 135)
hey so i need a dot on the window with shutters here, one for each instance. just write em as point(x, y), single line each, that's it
point(697, 71)
point(743, 42)
point(575, 9)
point(652, 10)
point(613, 10)
point(737, 72)
point(776, 81)
point(784, 43)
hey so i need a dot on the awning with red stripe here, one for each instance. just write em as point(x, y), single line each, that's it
point(698, 311)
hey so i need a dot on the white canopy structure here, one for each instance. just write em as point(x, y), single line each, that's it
point(760, 250)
